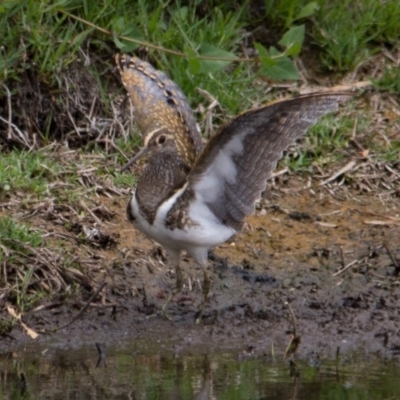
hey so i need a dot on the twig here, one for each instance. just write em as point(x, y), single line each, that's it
point(163, 49)
point(151, 45)
point(344, 268)
point(396, 265)
point(342, 256)
point(346, 168)
point(16, 128)
point(81, 312)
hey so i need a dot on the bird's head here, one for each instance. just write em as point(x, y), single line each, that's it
point(157, 143)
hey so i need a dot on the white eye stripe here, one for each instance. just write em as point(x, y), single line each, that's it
point(150, 135)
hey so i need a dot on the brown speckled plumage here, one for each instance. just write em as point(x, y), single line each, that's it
point(163, 175)
point(160, 104)
point(177, 217)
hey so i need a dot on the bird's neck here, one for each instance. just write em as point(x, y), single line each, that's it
point(163, 175)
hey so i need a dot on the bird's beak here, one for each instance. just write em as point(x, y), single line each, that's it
point(139, 155)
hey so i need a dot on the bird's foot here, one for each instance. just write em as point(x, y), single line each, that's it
point(199, 314)
point(164, 313)
point(198, 318)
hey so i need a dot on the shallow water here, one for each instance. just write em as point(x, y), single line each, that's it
point(127, 372)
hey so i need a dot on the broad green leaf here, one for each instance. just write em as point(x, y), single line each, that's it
point(193, 61)
point(265, 57)
point(292, 36)
point(123, 27)
point(124, 45)
point(211, 66)
point(118, 24)
point(117, 42)
point(293, 50)
point(181, 13)
point(284, 69)
point(307, 10)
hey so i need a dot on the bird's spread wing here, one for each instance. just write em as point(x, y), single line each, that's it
point(233, 168)
point(160, 104)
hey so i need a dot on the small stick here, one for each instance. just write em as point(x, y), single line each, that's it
point(344, 268)
point(342, 256)
point(396, 266)
point(348, 167)
point(81, 312)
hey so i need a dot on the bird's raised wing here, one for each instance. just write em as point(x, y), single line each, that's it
point(160, 105)
point(233, 168)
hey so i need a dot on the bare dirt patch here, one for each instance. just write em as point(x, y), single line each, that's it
point(329, 253)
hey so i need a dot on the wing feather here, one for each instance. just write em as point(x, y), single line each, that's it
point(160, 105)
point(232, 170)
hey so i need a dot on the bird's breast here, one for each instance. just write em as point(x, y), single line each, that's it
point(197, 225)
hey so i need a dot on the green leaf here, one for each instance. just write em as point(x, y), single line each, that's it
point(181, 13)
point(193, 61)
point(307, 10)
point(124, 45)
point(293, 50)
point(265, 57)
point(292, 36)
point(211, 66)
point(118, 24)
point(78, 39)
point(117, 42)
point(283, 69)
point(156, 21)
point(123, 27)
point(293, 40)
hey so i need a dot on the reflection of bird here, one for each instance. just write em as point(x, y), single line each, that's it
point(193, 206)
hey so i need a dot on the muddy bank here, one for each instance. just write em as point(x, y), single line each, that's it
point(323, 265)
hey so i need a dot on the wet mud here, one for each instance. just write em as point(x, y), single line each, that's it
point(314, 268)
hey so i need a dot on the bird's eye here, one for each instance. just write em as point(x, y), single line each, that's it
point(161, 139)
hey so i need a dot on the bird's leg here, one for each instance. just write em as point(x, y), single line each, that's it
point(179, 283)
point(201, 257)
point(206, 290)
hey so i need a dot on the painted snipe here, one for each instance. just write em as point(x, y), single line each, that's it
point(192, 199)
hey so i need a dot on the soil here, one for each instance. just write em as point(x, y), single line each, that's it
point(316, 267)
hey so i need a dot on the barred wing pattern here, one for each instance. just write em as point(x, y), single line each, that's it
point(160, 104)
point(232, 170)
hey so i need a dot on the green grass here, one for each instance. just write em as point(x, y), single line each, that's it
point(323, 145)
point(389, 81)
point(46, 41)
point(346, 33)
point(30, 171)
point(349, 32)
point(42, 175)
point(15, 237)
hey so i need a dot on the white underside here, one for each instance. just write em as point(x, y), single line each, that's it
point(205, 232)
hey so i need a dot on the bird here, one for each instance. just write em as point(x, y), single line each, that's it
point(192, 197)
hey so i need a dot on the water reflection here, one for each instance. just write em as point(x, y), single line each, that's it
point(129, 374)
